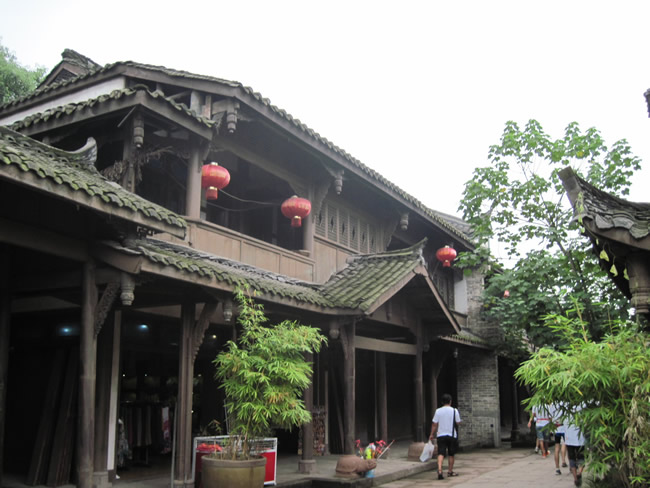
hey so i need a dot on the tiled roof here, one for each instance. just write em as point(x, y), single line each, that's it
point(367, 277)
point(467, 338)
point(607, 211)
point(75, 171)
point(125, 93)
point(360, 284)
point(249, 92)
point(209, 266)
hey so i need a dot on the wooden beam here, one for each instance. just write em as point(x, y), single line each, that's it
point(384, 346)
point(37, 239)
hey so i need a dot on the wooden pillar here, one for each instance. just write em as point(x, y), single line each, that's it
point(349, 371)
point(5, 316)
point(514, 433)
point(382, 396)
point(638, 270)
point(308, 230)
point(102, 396)
point(87, 370)
point(114, 397)
point(418, 387)
point(183, 460)
point(307, 463)
point(193, 187)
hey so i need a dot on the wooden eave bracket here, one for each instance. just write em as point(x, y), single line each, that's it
point(201, 325)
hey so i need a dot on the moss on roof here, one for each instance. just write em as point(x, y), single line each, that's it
point(367, 277)
point(76, 171)
point(257, 97)
point(359, 285)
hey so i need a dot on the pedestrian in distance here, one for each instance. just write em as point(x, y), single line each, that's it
point(541, 418)
point(444, 428)
point(575, 442)
point(559, 450)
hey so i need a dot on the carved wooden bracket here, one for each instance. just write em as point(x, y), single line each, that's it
point(138, 130)
point(198, 332)
point(105, 304)
point(229, 108)
point(127, 283)
point(404, 221)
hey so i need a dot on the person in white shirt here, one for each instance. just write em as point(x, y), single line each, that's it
point(575, 442)
point(560, 443)
point(541, 417)
point(444, 429)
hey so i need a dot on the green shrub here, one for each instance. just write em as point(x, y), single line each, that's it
point(610, 381)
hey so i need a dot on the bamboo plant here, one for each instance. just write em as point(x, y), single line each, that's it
point(263, 375)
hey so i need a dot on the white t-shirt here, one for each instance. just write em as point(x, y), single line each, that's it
point(444, 417)
point(556, 415)
point(542, 417)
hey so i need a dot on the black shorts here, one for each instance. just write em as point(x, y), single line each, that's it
point(447, 445)
point(576, 455)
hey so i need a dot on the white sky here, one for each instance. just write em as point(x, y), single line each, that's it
point(416, 90)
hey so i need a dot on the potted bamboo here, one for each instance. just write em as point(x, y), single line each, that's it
point(263, 375)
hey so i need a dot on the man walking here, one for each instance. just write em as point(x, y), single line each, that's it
point(444, 428)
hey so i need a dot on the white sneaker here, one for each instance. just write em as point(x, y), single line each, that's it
point(536, 450)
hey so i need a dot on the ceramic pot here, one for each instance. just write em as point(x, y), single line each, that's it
point(221, 473)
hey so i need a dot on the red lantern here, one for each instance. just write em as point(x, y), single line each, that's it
point(446, 254)
point(296, 209)
point(213, 179)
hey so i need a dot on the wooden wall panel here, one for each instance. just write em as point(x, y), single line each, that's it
point(262, 258)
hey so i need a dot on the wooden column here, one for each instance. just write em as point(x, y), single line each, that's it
point(514, 432)
point(307, 463)
point(638, 270)
point(418, 387)
point(87, 370)
point(5, 316)
point(382, 396)
point(348, 333)
point(104, 352)
point(193, 187)
point(114, 396)
point(308, 230)
point(183, 460)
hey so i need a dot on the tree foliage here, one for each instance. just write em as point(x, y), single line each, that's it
point(605, 387)
point(16, 80)
point(265, 373)
point(518, 201)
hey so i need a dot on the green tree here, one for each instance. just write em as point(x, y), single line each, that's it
point(518, 201)
point(16, 80)
point(605, 387)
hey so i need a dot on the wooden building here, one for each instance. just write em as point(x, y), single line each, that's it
point(116, 276)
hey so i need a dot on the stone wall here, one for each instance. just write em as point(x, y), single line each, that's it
point(478, 398)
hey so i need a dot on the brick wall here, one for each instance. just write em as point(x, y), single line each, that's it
point(478, 398)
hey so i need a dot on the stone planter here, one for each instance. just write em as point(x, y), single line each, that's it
point(221, 473)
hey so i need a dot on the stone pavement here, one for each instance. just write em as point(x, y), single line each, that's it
point(495, 468)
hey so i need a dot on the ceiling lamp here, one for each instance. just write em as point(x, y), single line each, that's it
point(446, 254)
point(213, 179)
point(296, 209)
